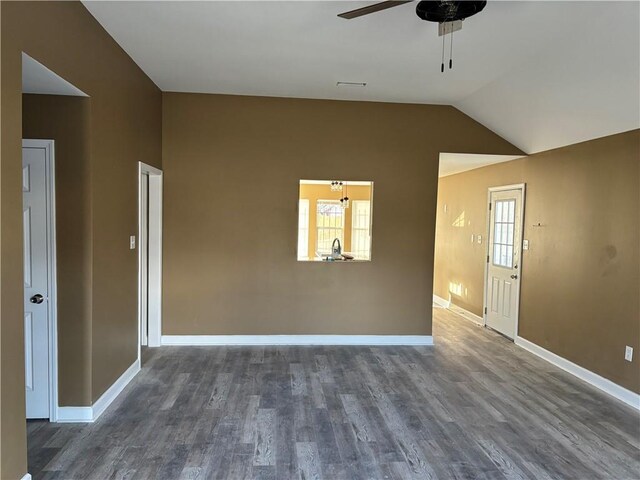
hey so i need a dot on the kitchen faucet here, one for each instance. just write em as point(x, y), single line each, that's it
point(336, 252)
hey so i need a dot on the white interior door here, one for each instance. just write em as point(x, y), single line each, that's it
point(36, 294)
point(503, 269)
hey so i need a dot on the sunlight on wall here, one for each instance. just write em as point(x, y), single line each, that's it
point(455, 288)
point(459, 221)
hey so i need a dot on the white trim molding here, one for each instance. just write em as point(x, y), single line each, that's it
point(441, 301)
point(91, 414)
point(627, 396)
point(458, 310)
point(75, 415)
point(466, 314)
point(297, 340)
point(154, 255)
point(27, 476)
point(114, 390)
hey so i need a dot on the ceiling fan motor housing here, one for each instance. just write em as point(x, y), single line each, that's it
point(448, 11)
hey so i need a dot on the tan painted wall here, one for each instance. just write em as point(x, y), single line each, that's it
point(216, 281)
point(66, 121)
point(581, 275)
point(125, 127)
point(313, 193)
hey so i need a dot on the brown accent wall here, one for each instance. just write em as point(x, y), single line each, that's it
point(581, 274)
point(232, 167)
point(66, 121)
point(124, 128)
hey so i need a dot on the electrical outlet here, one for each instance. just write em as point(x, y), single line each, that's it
point(479, 239)
point(132, 242)
point(525, 244)
point(628, 353)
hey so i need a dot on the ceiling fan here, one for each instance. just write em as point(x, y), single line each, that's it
point(448, 14)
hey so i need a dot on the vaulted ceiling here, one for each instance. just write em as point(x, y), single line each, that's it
point(540, 74)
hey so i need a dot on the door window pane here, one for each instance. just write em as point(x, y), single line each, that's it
point(503, 233)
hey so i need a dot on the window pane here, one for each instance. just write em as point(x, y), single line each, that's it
point(510, 235)
point(330, 221)
point(504, 228)
point(303, 228)
point(360, 229)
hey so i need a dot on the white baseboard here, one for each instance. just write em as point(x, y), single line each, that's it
point(114, 390)
point(466, 314)
point(91, 414)
point(456, 309)
point(441, 301)
point(297, 340)
point(607, 386)
point(75, 414)
point(27, 476)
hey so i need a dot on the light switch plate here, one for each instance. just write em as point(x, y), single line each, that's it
point(525, 244)
point(628, 353)
point(473, 238)
point(132, 242)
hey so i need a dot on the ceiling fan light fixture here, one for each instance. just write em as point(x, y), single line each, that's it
point(440, 11)
point(448, 14)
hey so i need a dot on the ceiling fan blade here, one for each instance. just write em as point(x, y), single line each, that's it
point(376, 7)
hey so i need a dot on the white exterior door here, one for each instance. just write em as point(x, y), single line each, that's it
point(36, 295)
point(503, 269)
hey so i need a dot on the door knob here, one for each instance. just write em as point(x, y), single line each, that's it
point(514, 276)
point(37, 299)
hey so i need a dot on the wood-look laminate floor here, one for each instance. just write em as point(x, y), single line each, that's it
point(474, 406)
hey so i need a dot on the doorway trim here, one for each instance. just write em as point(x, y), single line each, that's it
point(523, 188)
point(154, 253)
point(52, 301)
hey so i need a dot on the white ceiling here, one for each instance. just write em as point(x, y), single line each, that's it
point(36, 78)
point(452, 163)
point(540, 74)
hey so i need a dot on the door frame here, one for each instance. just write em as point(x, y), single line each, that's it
point(154, 253)
point(52, 300)
point(523, 188)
